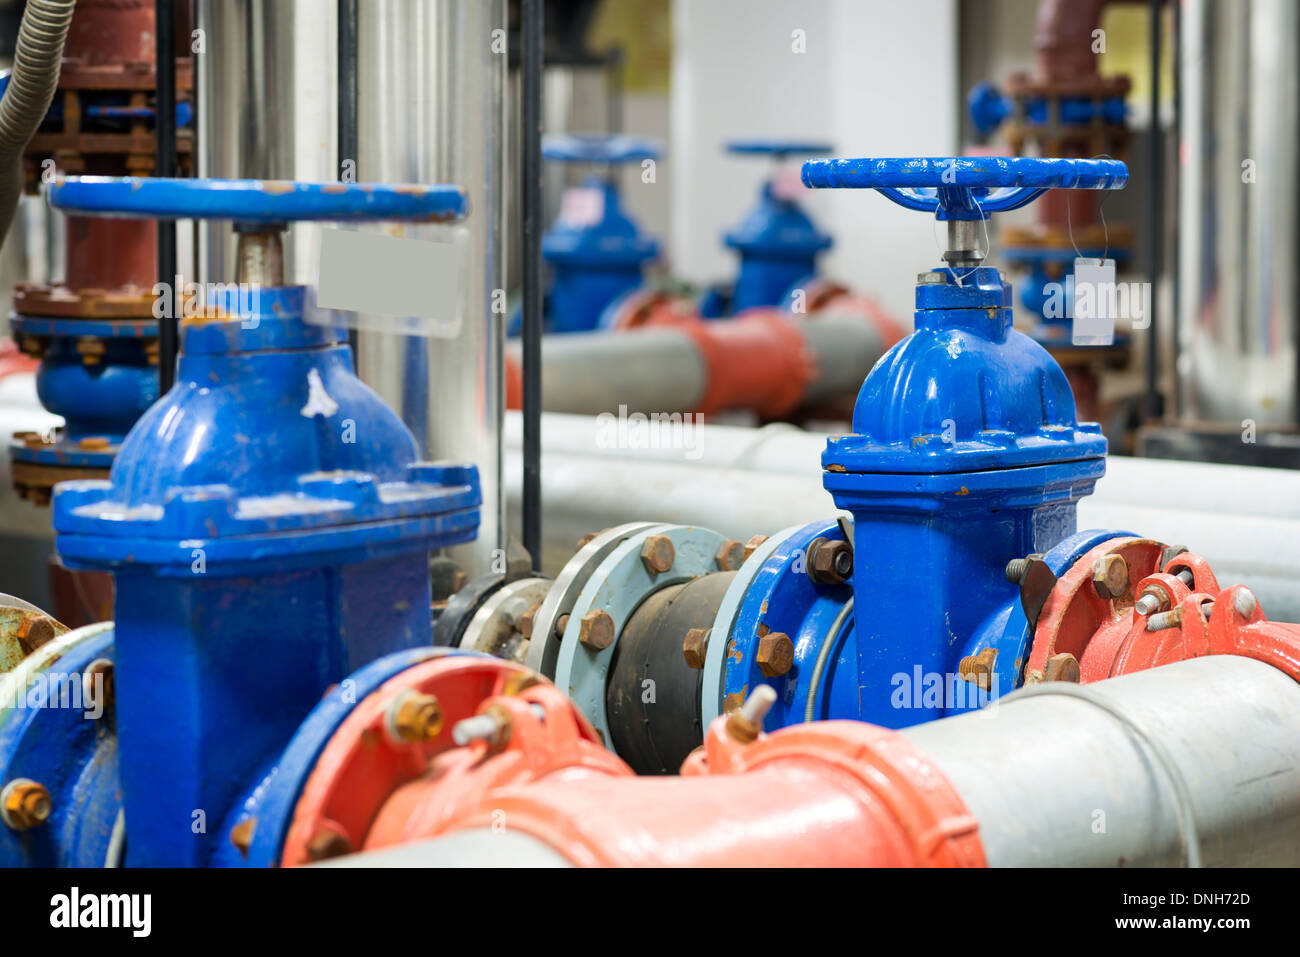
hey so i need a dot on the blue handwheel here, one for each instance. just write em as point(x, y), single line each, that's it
point(964, 188)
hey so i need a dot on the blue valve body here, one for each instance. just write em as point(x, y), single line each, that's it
point(268, 525)
point(594, 262)
point(965, 453)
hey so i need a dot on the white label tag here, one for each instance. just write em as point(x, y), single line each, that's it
point(582, 206)
point(1092, 302)
point(414, 286)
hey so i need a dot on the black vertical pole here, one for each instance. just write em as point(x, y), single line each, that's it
point(165, 165)
point(531, 110)
point(347, 108)
point(1155, 225)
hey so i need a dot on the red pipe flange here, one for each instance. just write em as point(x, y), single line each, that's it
point(390, 739)
point(1099, 625)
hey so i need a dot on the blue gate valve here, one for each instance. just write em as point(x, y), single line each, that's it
point(268, 521)
point(596, 252)
point(778, 244)
point(965, 453)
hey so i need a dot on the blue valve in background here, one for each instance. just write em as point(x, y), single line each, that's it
point(596, 252)
point(777, 242)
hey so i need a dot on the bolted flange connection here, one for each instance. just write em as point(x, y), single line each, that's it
point(413, 718)
point(695, 646)
point(596, 630)
point(775, 655)
point(830, 562)
point(1110, 577)
point(658, 554)
point(24, 804)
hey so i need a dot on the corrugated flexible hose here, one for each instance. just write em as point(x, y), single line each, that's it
point(35, 76)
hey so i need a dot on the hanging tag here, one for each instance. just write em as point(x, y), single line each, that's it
point(1092, 302)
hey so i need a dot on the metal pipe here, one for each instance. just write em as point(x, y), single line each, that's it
point(760, 362)
point(38, 53)
point(431, 85)
point(1155, 222)
point(1058, 781)
point(165, 166)
point(533, 373)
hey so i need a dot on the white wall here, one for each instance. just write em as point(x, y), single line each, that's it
point(878, 78)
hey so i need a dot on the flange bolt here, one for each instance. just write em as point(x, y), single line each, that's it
point(745, 724)
point(24, 804)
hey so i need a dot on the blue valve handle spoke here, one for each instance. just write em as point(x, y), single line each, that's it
point(256, 201)
point(779, 148)
point(954, 187)
point(599, 148)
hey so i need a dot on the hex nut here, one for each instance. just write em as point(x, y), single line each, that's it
point(1110, 577)
point(525, 623)
point(415, 717)
point(775, 655)
point(597, 630)
point(731, 555)
point(752, 544)
point(26, 804)
point(830, 562)
point(1062, 667)
point(658, 554)
point(695, 645)
point(36, 629)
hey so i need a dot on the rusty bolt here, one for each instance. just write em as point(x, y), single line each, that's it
point(25, 803)
point(582, 542)
point(414, 717)
point(978, 669)
point(98, 687)
point(1062, 667)
point(597, 630)
point(746, 722)
point(752, 544)
point(1110, 577)
point(525, 623)
point(658, 554)
point(328, 841)
point(695, 645)
point(830, 562)
point(241, 835)
point(775, 654)
point(1152, 600)
point(561, 625)
point(731, 555)
point(35, 630)
point(93, 443)
point(459, 580)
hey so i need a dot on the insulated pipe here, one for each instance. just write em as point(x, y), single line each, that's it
point(38, 54)
point(1058, 780)
point(762, 361)
point(587, 492)
point(1196, 762)
point(1152, 483)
